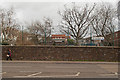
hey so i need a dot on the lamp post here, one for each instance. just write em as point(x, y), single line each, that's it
point(45, 35)
point(0, 35)
point(90, 36)
point(68, 36)
point(113, 36)
point(22, 35)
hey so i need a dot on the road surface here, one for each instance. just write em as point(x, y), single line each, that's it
point(59, 69)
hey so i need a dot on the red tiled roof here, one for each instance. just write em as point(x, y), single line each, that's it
point(59, 36)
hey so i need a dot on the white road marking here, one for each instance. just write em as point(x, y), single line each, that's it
point(16, 66)
point(34, 74)
point(112, 74)
point(44, 76)
point(107, 74)
point(3, 73)
point(77, 74)
point(55, 67)
point(116, 73)
point(28, 71)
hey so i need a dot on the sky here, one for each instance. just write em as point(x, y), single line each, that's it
point(28, 11)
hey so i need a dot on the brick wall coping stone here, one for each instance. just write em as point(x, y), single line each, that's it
point(65, 46)
point(62, 62)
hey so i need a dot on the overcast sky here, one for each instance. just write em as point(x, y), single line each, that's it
point(31, 10)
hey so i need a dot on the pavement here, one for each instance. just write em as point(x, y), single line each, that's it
point(59, 69)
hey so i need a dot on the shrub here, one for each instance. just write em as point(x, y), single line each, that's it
point(71, 42)
point(4, 43)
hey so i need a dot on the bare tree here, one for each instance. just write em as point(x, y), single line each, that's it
point(76, 21)
point(103, 23)
point(8, 25)
point(39, 29)
point(35, 29)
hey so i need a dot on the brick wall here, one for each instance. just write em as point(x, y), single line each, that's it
point(52, 53)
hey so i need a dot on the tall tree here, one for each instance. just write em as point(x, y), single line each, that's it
point(8, 25)
point(39, 29)
point(103, 24)
point(76, 20)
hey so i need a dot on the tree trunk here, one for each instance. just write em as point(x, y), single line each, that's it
point(77, 41)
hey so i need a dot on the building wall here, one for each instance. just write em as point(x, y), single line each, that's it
point(114, 38)
point(52, 53)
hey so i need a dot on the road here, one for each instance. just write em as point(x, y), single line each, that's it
point(60, 69)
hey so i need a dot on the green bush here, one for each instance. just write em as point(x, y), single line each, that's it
point(4, 43)
point(71, 42)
